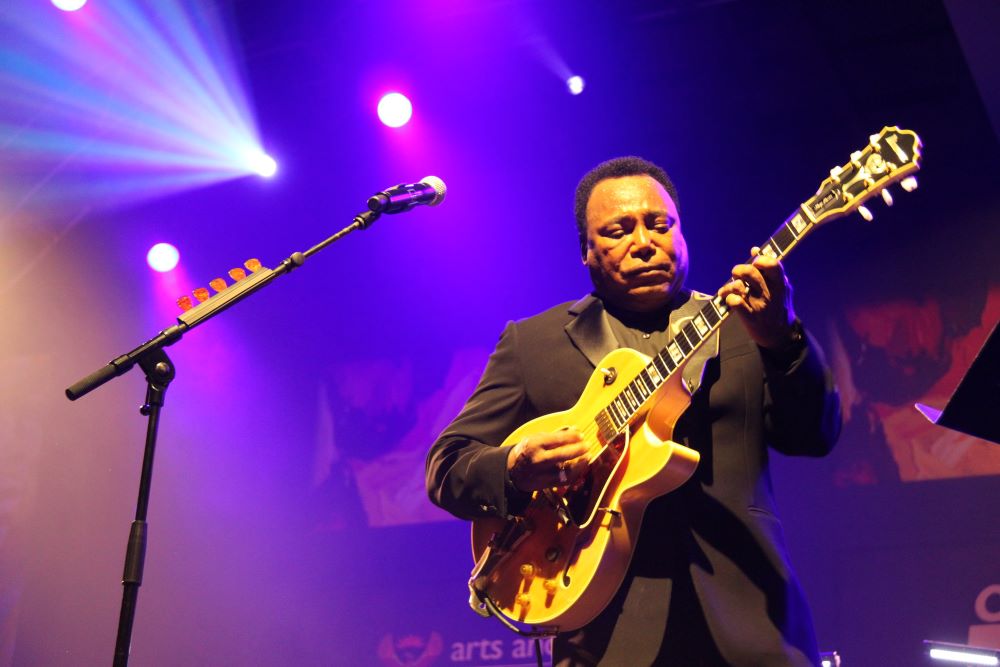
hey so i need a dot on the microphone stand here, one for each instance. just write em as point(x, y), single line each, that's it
point(151, 357)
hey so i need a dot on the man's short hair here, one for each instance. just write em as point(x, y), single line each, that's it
point(618, 167)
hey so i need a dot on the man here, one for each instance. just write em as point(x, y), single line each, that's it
point(709, 582)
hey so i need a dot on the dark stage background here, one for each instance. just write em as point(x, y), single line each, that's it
point(288, 523)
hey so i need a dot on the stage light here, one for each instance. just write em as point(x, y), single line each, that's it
point(163, 257)
point(394, 110)
point(829, 659)
point(575, 84)
point(69, 5)
point(962, 654)
point(157, 105)
point(262, 164)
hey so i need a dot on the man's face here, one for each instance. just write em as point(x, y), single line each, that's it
point(636, 254)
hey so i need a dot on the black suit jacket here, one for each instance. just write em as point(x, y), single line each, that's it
point(710, 582)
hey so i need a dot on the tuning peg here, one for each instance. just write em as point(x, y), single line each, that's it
point(201, 294)
point(253, 265)
point(185, 303)
point(218, 284)
point(887, 197)
point(909, 183)
point(237, 274)
point(856, 156)
point(873, 141)
point(865, 213)
point(835, 173)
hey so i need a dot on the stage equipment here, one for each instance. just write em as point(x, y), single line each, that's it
point(972, 409)
point(830, 659)
point(430, 190)
point(943, 652)
point(160, 371)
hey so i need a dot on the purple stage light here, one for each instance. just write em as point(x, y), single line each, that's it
point(394, 110)
point(575, 84)
point(163, 257)
point(69, 5)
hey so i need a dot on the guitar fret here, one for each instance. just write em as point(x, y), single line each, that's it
point(633, 388)
point(616, 415)
point(619, 402)
point(701, 325)
point(630, 398)
point(692, 336)
point(712, 317)
point(682, 343)
point(783, 239)
point(637, 390)
point(616, 418)
point(654, 373)
point(647, 380)
point(797, 224)
point(661, 365)
point(640, 390)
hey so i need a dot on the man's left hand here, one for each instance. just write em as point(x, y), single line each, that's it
point(762, 297)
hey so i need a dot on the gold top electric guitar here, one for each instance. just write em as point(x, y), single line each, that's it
point(560, 564)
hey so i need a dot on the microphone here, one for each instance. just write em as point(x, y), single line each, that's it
point(430, 190)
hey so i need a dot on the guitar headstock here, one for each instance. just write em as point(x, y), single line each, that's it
point(219, 285)
point(891, 156)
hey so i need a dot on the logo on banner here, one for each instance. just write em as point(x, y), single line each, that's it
point(411, 650)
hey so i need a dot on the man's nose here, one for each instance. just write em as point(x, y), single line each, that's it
point(640, 238)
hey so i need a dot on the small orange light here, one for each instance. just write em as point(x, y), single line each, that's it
point(185, 303)
point(218, 284)
point(253, 265)
point(201, 294)
point(237, 274)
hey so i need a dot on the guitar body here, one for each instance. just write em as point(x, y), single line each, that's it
point(562, 573)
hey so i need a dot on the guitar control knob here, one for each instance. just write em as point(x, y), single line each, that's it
point(909, 183)
point(887, 197)
point(550, 586)
point(865, 213)
point(527, 570)
point(524, 600)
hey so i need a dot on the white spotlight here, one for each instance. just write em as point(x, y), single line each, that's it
point(394, 110)
point(262, 164)
point(163, 257)
point(575, 84)
point(69, 5)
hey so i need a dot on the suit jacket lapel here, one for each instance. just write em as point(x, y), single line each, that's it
point(589, 330)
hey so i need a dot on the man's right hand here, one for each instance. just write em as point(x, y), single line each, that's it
point(545, 460)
